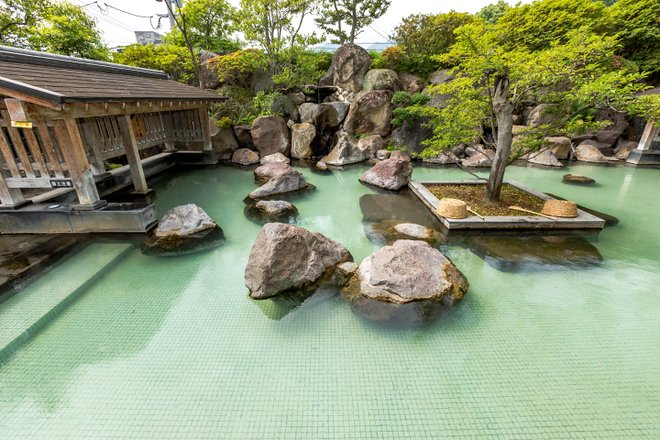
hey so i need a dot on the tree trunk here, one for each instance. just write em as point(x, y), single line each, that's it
point(504, 113)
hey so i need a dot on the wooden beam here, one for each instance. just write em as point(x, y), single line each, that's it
point(132, 153)
point(10, 196)
point(77, 110)
point(73, 150)
point(8, 155)
point(15, 109)
point(31, 99)
point(206, 129)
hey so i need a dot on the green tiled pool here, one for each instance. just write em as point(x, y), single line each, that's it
point(174, 348)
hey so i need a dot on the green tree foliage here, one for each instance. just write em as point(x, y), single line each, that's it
point(492, 13)
point(275, 26)
point(537, 25)
point(344, 19)
point(638, 24)
point(209, 25)
point(174, 60)
point(583, 72)
point(421, 36)
point(67, 29)
point(237, 68)
point(17, 18)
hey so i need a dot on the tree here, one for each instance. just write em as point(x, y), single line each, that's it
point(491, 80)
point(67, 29)
point(209, 24)
point(275, 26)
point(174, 60)
point(421, 36)
point(638, 24)
point(492, 13)
point(17, 17)
point(345, 19)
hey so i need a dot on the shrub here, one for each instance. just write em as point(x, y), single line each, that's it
point(238, 68)
point(174, 60)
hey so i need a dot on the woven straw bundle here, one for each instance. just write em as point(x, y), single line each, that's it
point(560, 208)
point(452, 208)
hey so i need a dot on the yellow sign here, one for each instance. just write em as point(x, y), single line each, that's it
point(21, 124)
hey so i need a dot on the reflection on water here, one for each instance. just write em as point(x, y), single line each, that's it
point(278, 307)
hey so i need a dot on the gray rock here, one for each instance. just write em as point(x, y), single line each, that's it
point(183, 229)
point(415, 231)
point(224, 142)
point(308, 112)
point(302, 136)
point(382, 154)
point(587, 152)
point(330, 114)
point(407, 283)
point(345, 151)
point(243, 136)
point(477, 160)
point(580, 180)
point(381, 79)
point(245, 157)
point(392, 174)
point(270, 135)
point(624, 148)
point(275, 208)
point(370, 145)
point(297, 98)
point(560, 146)
point(262, 81)
point(618, 124)
point(411, 83)
point(274, 158)
point(400, 155)
point(267, 171)
point(281, 184)
point(441, 76)
point(287, 259)
point(540, 115)
point(283, 106)
point(321, 166)
point(208, 77)
point(411, 136)
point(370, 113)
point(544, 157)
point(442, 159)
point(350, 64)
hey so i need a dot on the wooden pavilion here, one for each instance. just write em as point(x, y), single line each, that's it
point(64, 120)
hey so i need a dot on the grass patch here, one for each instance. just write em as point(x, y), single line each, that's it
point(475, 197)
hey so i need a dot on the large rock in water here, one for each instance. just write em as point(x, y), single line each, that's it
point(370, 113)
point(270, 135)
point(267, 171)
point(411, 136)
point(390, 174)
point(244, 156)
point(271, 211)
point(350, 63)
point(405, 283)
point(345, 152)
point(183, 229)
point(282, 184)
point(381, 79)
point(302, 136)
point(287, 259)
point(546, 158)
point(224, 142)
point(586, 152)
point(560, 146)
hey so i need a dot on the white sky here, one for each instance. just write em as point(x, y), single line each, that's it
point(118, 27)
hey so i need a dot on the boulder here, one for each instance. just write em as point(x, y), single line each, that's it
point(400, 155)
point(587, 152)
point(392, 174)
point(345, 151)
point(287, 259)
point(224, 142)
point(244, 156)
point(370, 145)
point(280, 184)
point(390, 230)
point(321, 166)
point(383, 154)
point(270, 135)
point(560, 146)
point(274, 158)
point(298, 98)
point(283, 105)
point(183, 229)
point(579, 180)
point(417, 232)
point(267, 171)
point(208, 75)
point(330, 114)
point(544, 157)
point(381, 79)
point(405, 283)
point(411, 83)
point(243, 136)
point(624, 148)
point(442, 159)
point(370, 113)
point(302, 136)
point(540, 115)
point(350, 64)
point(412, 135)
point(271, 210)
point(618, 124)
point(308, 112)
point(441, 76)
point(478, 160)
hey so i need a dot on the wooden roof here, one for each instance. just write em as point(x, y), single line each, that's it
point(61, 79)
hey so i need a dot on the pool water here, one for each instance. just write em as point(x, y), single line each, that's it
point(174, 348)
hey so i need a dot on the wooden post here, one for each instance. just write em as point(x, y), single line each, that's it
point(132, 153)
point(10, 197)
point(73, 150)
point(650, 133)
point(206, 129)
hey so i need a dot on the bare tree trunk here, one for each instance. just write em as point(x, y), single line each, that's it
point(181, 24)
point(504, 113)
